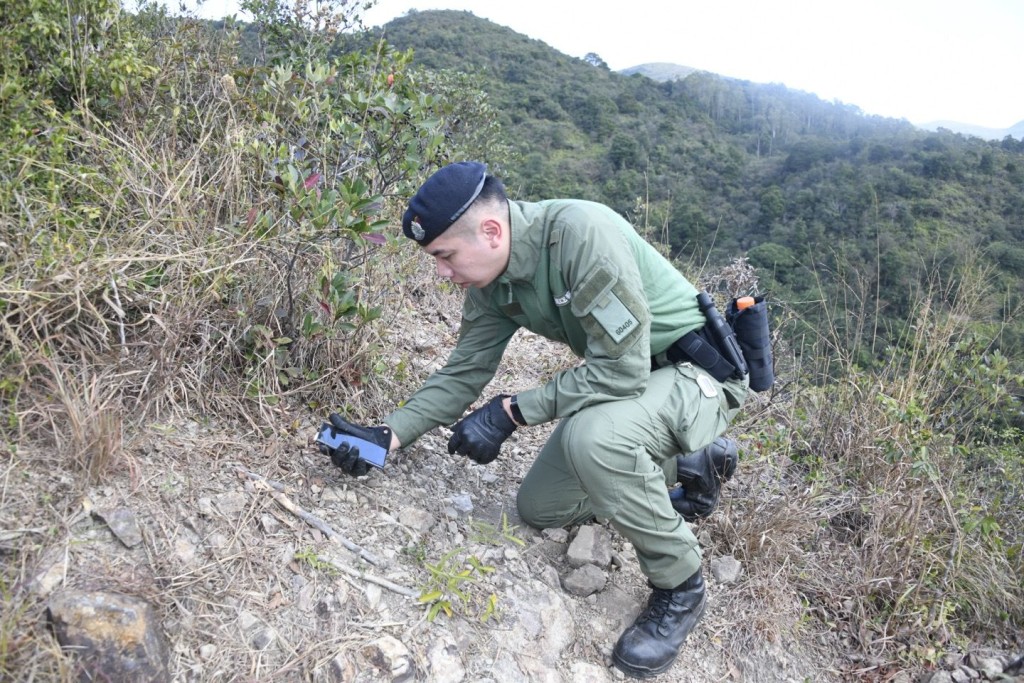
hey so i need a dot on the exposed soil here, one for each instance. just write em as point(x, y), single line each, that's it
point(246, 590)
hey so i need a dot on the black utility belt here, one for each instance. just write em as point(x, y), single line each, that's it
point(699, 348)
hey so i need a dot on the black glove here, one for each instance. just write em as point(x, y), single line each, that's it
point(346, 456)
point(480, 434)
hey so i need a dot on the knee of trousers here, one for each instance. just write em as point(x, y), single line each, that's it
point(535, 513)
point(587, 438)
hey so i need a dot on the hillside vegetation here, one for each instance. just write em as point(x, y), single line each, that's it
point(831, 205)
point(199, 221)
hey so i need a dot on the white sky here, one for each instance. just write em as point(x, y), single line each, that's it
point(922, 60)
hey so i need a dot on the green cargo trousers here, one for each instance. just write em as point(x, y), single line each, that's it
point(615, 460)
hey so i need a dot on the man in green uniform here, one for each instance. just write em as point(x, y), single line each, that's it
point(577, 272)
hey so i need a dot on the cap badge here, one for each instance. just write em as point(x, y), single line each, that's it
point(417, 230)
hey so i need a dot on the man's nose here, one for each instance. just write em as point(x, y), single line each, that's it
point(443, 270)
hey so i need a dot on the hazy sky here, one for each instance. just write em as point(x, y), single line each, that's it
point(922, 60)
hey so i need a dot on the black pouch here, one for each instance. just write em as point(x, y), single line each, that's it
point(751, 327)
point(692, 347)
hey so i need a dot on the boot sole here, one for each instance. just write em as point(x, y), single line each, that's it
point(640, 672)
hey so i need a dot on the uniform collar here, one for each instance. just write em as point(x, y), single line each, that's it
point(525, 251)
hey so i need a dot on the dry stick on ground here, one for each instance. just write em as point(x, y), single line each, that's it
point(278, 494)
point(314, 521)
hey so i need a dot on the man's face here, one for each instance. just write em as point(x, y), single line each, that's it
point(469, 256)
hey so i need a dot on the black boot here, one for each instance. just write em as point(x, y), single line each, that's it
point(650, 645)
point(701, 474)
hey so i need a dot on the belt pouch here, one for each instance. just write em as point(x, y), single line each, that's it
point(694, 348)
point(751, 327)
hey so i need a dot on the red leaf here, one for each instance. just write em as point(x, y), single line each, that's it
point(311, 181)
point(375, 238)
point(251, 217)
point(327, 308)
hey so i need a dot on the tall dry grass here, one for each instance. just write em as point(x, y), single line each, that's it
point(890, 494)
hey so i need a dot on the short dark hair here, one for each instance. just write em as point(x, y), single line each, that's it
point(493, 190)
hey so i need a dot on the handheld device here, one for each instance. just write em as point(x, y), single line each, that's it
point(332, 437)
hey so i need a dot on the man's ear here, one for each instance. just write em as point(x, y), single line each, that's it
point(493, 231)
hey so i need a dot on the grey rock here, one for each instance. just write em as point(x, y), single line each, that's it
point(726, 569)
point(959, 675)
point(586, 672)
point(373, 595)
point(545, 626)
point(462, 503)
point(341, 669)
point(618, 606)
point(445, 661)
point(948, 661)
point(558, 535)
point(231, 504)
point(549, 575)
point(184, 550)
point(989, 667)
point(113, 636)
point(941, 677)
point(205, 505)
point(264, 638)
point(50, 574)
point(585, 580)
point(332, 495)
point(1015, 666)
point(418, 520)
point(592, 545)
point(124, 525)
point(391, 658)
point(270, 524)
point(246, 620)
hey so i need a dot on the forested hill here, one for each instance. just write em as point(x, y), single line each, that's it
point(817, 194)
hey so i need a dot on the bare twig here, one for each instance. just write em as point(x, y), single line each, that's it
point(311, 519)
point(276, 485)
point(384, 583)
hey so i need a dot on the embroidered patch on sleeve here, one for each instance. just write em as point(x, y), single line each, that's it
point(614, 317)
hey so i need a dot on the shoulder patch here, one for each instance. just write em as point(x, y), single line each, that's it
point(614, 317)
point(563, 299)
point(610, 312)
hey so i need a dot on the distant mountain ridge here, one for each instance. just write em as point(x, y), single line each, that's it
point(1014, 131)
point(664, 72)
point(660, 71)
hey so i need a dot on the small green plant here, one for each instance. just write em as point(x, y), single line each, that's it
point(311, 559)
point(450, 587)
point(494, 535)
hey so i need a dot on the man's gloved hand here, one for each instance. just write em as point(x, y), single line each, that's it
point(346, 456)
point(480, 434)
point(701, 474)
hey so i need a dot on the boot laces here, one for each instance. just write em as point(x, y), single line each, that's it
point(658, 605)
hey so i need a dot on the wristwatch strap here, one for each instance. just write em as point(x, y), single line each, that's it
point(517, 413)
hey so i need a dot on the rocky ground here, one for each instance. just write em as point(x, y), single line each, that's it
point(261, 562)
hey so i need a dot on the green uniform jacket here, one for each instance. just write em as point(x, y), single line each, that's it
point(580, 274)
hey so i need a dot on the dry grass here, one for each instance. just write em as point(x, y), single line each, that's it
point(868, 501)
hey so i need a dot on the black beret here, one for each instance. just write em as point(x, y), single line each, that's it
point(442, 200)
